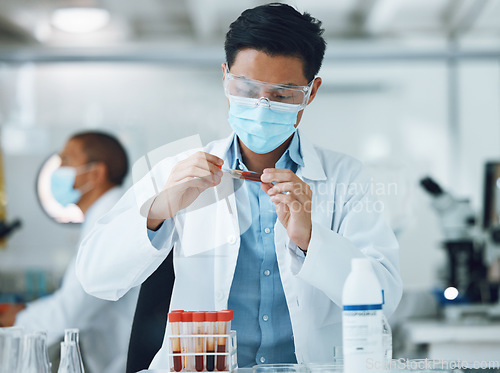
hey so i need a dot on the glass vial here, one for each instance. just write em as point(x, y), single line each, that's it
point(10, 349)
point(35, 356)
point(70, 360)
point(73, 335)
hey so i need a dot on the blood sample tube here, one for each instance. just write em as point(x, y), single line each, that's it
point(187, 342)
point(223, 327)
point(199, 345)
point(175, 319)
point(211, 328)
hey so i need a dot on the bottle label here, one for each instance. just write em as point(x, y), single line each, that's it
point(362, 329)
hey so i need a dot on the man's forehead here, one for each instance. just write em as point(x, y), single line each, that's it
point(73, 148)
point(265, 67)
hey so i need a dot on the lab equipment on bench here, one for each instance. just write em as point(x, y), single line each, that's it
point(201, 341)
point(10, 349)
point(472, 250)
point(35, 355)
point(71, 358)
point(362, 318)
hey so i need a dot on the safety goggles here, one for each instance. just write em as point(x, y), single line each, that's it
point(253, 93)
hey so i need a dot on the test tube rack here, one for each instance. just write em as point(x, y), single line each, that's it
point(211, 361)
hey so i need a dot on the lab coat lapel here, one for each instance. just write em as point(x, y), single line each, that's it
point(290, 259)
point(313, 174)
point(228, 226)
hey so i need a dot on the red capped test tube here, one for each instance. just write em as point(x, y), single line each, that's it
point(199, 345)
point(211, 329)
point(187, 342)
point(175, 319)
point(223, 327)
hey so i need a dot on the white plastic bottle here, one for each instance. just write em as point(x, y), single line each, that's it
point(362, 319)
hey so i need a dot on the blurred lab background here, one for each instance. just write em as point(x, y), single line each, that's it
point(410, 87)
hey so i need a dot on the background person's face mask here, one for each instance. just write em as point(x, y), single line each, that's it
point(261, 128)
point(61, 185)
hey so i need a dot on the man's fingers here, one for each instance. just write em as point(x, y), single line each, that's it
point(284, 198)
point(266, 186)
point(293, 205)
point(204, 182)
point(200, 169)
point(301, 191)
point(288, 187)
point(276, 175)
point(209, 158)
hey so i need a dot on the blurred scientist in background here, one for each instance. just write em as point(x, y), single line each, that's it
point(93, 166)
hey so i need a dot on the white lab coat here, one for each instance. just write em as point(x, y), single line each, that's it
point(104, 326)
point(118, 254)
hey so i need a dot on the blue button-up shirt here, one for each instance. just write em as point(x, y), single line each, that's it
point(261, 317)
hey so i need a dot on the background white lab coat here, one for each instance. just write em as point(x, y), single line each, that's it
point(104, 326)
point(118, 254)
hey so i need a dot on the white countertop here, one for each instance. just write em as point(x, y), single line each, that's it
point(436, 331)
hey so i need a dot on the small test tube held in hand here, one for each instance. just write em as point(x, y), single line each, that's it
point(175, 319)
point(187, 345)
point(245, 175)
point(223, 327)
point(211, 328)
point(199, 339)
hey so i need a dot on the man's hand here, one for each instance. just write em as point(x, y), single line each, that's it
point(8, 317)
point(293, 200)
point(188, 179)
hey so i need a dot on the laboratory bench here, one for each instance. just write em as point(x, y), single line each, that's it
point(455, 341)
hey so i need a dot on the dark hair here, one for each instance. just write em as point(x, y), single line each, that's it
point(278, 29)
point(105, 148)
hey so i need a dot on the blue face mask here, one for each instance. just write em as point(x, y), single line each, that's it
point(260, 128)
point(61, 185)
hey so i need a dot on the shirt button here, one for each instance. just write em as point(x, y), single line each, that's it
point(267, 272)
point(231, 239)
point(262, 359)
point(265, 317)
point(267, 230)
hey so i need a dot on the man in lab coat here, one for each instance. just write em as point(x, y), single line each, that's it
point(276, 252)
point(93, 166)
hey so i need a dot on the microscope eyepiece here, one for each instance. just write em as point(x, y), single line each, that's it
point(431, 186)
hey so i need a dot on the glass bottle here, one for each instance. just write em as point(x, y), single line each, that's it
point(70, 359)
point(73, 335)
point(35, 355)
point(10, 349)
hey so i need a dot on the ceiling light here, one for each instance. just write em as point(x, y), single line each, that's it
point(80, 20)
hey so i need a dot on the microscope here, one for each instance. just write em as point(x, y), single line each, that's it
point(472, 274)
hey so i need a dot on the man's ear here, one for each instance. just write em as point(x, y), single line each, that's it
point(315, 86)
point(223, 65)
point(101, 172)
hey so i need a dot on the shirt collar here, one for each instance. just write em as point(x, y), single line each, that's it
point(292, 152)
point(313, 164)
